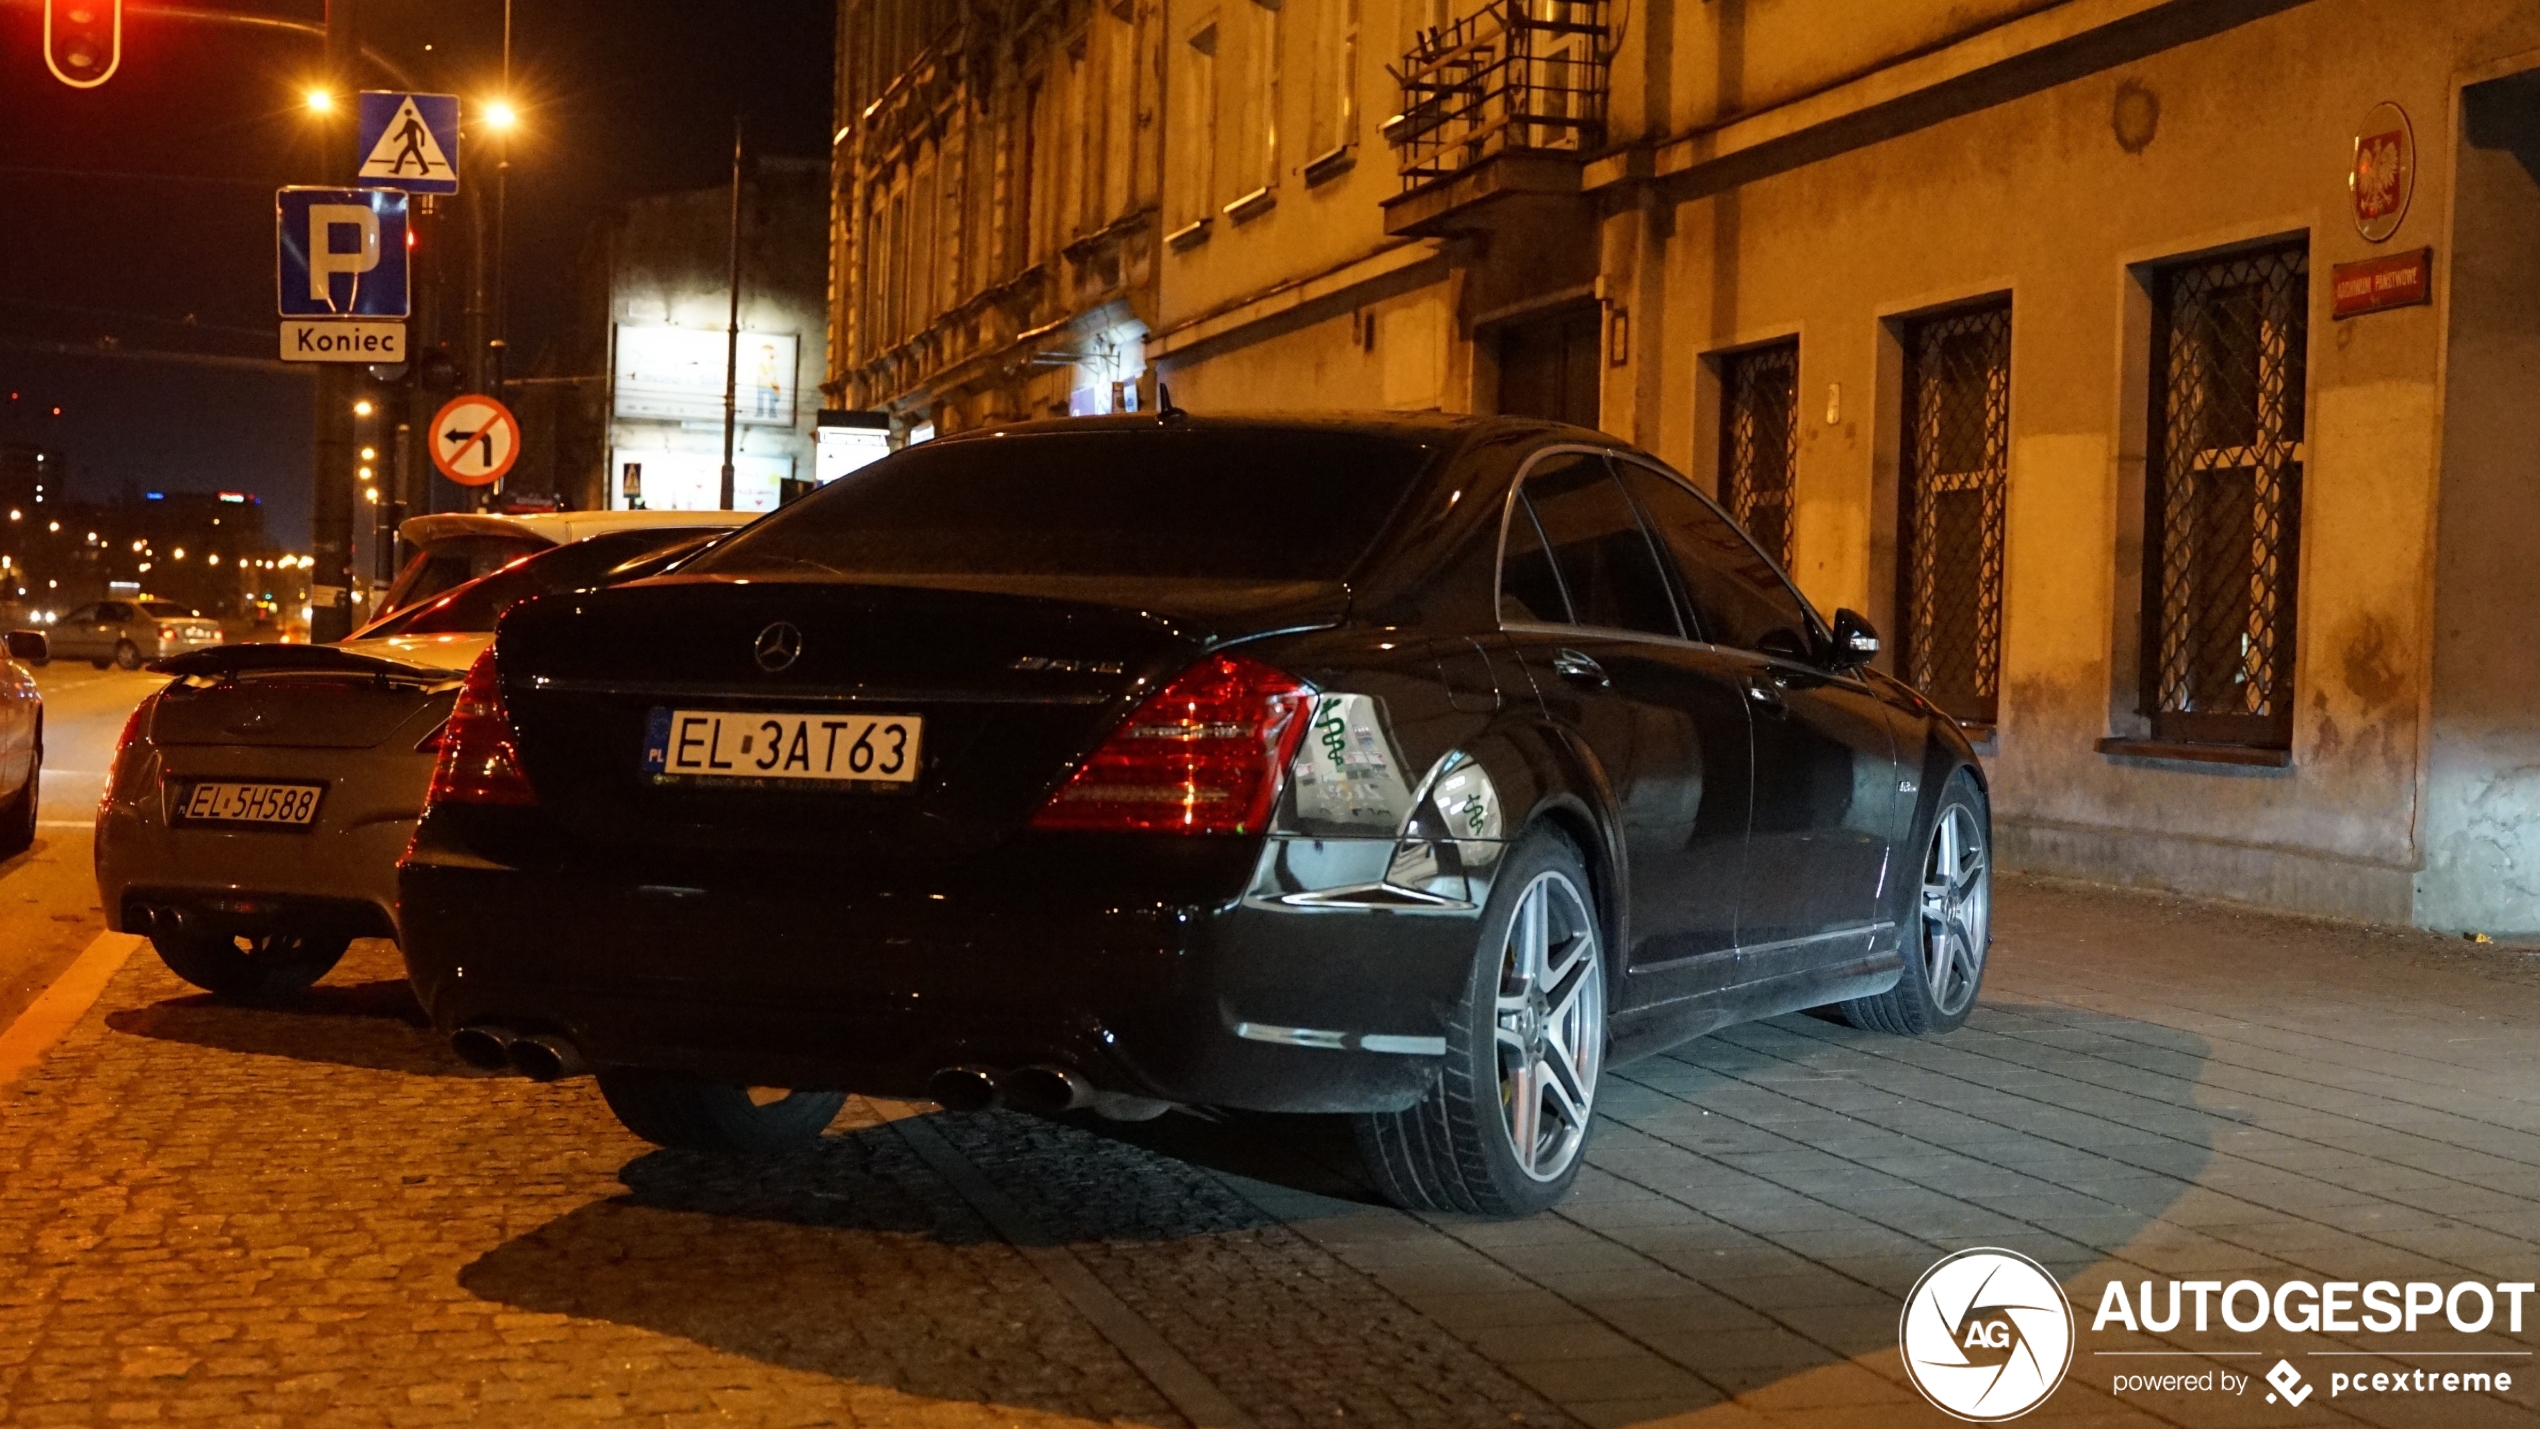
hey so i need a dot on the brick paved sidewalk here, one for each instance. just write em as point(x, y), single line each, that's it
point(316, 1215)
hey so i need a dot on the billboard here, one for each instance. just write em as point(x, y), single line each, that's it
point(676, 374)
point(660, 480)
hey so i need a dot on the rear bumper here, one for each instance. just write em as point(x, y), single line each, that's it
point(338, 876)
point(779, 981)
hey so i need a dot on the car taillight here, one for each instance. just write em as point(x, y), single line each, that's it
point(1203, 755)
point(478, 763)
point(133, 724)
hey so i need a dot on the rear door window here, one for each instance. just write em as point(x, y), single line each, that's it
point(1607, 567)
point(1738, 597)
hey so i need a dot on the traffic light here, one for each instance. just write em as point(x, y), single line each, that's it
point(83, 40)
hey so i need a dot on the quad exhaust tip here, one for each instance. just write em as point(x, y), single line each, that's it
point(539, 1056)
point(1045, 1089)
point(964, 1088)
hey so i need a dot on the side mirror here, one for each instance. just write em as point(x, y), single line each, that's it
point(30, 646)
point(1856, 641)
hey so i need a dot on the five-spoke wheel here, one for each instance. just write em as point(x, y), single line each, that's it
point(1551, 1025)
point(1504, 1129)
point(1945, 937)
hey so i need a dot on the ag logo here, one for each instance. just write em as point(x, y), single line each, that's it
point(1987, 1335)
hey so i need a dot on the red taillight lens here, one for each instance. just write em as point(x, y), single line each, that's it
point(1203, 755)
point(478, 763)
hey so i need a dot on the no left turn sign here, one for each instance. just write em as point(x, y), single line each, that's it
point(475, 440)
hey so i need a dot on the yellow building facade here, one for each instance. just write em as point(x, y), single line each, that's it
point(2017, 324)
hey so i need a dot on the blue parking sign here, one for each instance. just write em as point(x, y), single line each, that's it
point(342, 253)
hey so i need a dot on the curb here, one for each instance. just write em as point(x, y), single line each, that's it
point(26, 1040)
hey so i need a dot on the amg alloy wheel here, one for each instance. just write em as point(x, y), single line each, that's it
point(668, 1109)
point(1504, 1129)
point(259, 967)
point(1946, 940)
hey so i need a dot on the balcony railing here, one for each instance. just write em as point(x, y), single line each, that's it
point(1515, 76)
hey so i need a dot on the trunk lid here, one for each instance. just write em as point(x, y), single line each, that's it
point(356, 696)
point(1014, 678)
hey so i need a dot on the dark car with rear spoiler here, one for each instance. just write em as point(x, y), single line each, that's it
point(1409, 768)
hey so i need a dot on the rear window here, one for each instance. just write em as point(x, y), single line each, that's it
point(476, 607)
point(1264, 504)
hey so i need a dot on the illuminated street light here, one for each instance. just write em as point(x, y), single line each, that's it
point(212, 559)
point(320, 101)
point(372, 492)
point(56, 526)
point(365, 473)
point(500, 115)
point(177, 554)
point(362, 408)
point(370, 454)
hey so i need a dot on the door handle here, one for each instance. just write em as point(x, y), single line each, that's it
point(1766, 693)
point(1571, 665)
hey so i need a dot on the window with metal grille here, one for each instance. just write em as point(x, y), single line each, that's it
point(2222, 526)
point(1957, 453)
point(1759, 442)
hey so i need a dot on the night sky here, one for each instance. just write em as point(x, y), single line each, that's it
point(136, 219)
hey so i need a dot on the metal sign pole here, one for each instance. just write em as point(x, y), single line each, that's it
point(331, 504)
point(732, 331)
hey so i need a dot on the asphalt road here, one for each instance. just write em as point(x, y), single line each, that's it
point(48, 895)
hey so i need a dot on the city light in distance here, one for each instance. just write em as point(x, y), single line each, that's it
point(370, 454)
point(213, 558)
point(365, 473)
point(178, 554)
point(371, 492)
point(362, 408)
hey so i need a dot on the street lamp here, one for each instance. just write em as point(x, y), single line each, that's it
point(362, 408)
point(320, 101)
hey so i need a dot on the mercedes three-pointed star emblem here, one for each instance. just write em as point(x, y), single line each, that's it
point(778, 647)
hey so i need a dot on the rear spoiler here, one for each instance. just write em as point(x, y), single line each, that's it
point(221, 661)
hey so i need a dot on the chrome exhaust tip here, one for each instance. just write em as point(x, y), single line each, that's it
point(1045, 1089)
point(487, 1049)
point(545, 1058)
point(963, 1088)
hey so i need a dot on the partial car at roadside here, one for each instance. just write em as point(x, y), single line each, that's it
point(21, 740)
point(259, 801)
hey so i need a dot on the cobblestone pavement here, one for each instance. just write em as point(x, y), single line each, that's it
point(315, 1215)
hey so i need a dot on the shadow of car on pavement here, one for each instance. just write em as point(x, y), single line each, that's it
point(1735, 1205)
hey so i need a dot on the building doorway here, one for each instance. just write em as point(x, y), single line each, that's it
point(1548, 366)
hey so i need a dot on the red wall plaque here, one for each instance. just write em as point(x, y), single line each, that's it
point(2399, 281)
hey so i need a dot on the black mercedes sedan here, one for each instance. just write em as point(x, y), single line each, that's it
point(1409, 768)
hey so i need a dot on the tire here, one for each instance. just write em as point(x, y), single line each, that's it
point(1528, 1031)
point(668, 1109)
point(1949, 932)
point(127, 655)
point(17, 821)
point(249, 969)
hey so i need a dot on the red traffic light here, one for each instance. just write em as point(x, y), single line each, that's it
point(83, 40)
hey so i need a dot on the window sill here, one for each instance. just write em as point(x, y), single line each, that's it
point(2246, 755)
point(1188, 236)
point(1251, 205)
point(1327, 166)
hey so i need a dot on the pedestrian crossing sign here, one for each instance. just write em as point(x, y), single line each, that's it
point(410, 142)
